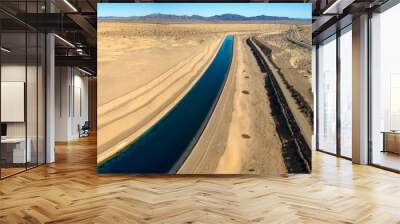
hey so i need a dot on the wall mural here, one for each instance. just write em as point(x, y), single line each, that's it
point(189, 88)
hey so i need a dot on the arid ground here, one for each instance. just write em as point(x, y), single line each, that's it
point(294, 63)
point(146, 68)
point(294, 60)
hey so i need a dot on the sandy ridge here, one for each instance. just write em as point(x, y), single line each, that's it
point(148, 114)
point(152, 92)
point(121, 101)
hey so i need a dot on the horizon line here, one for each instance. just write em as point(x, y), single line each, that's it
point(206, 16)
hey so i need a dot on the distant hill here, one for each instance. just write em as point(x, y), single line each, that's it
point(196, 18)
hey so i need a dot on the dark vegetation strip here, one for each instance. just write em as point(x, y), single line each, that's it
point(299, 99)
point(296, 153)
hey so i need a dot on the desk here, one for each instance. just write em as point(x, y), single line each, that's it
point(19, 155)
point(391, 141)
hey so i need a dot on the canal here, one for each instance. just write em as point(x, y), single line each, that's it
point(165, 146)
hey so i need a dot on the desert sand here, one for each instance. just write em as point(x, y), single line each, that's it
point(141, 79)
point(293, 60)
point(145, 69)
point(240, 136)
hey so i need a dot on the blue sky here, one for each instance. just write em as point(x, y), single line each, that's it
point(292, 10)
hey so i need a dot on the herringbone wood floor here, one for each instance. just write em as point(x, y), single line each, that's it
point(70, 191)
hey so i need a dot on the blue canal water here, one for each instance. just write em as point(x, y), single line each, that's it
point(165, 145)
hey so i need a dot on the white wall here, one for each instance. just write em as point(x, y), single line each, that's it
point(62, 82)
point(33, 127)
point(16, 73)
point(83, 83)
point(71, 87)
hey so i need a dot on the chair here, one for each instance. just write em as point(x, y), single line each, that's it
point(84, 130)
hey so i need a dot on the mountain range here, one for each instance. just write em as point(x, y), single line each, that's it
point(216, 18)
